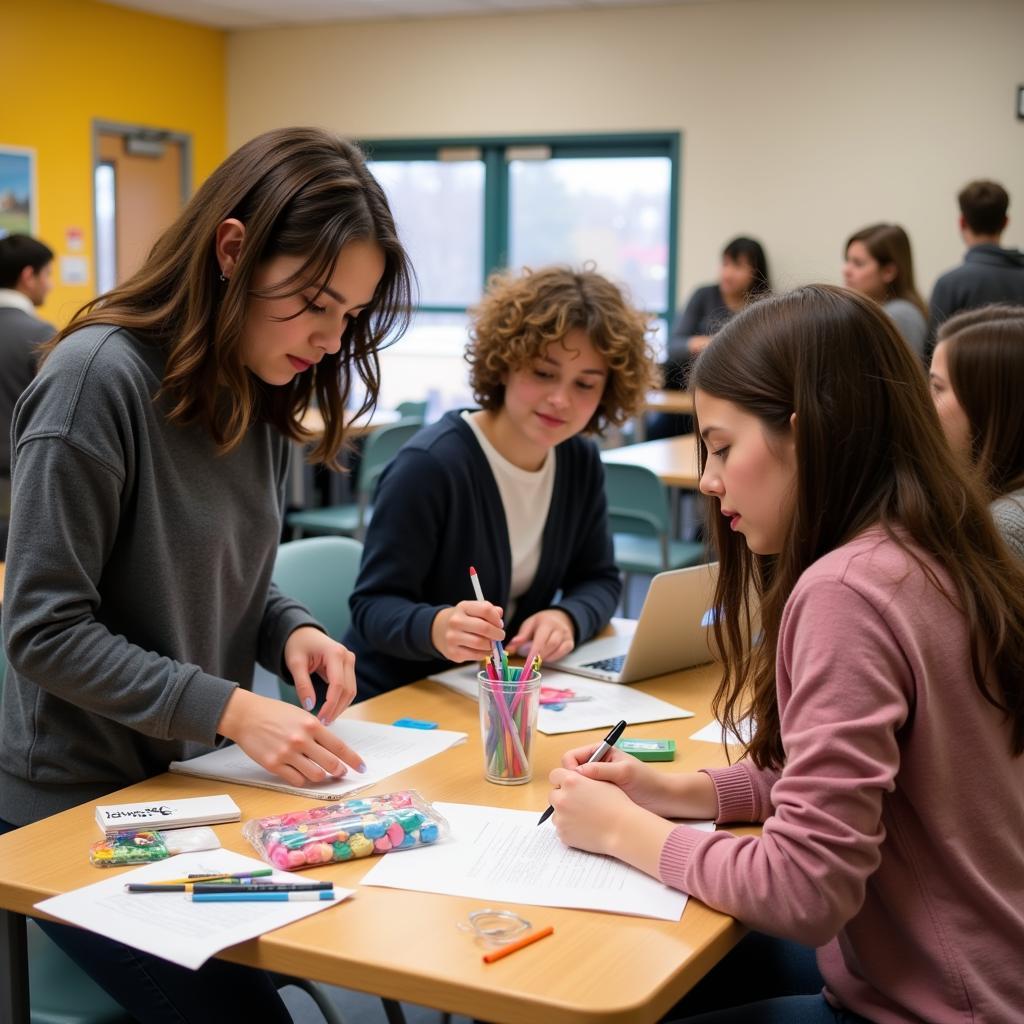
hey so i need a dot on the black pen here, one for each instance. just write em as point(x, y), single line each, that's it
point(220, 887)
point(598, 755)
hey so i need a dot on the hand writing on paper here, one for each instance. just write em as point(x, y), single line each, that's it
point(308, 650)
point(548, 633)
point(285, 740)
point(668, 794)
point(465, 632)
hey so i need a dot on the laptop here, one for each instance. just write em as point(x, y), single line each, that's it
point(673, 632)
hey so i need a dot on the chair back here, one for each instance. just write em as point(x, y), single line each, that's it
point(380, 448)
point(320, 572)
point(412, 411)
point(637, 500)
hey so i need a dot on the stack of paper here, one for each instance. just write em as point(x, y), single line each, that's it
point(169, 925)
point(607, 703)
point(167, 814)
point(386, 750)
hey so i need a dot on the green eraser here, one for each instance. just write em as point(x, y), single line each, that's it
point(649, 750)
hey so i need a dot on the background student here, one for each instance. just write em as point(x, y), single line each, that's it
point(886, 765)
point(742, 277)
point(513, 489)
point(989, 273)
point(977, 380)
point(151, 455)
point(26, 276)
point(879, 265)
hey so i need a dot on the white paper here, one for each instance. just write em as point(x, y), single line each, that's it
point(168, 924)
point(496, 854)
point(386, 750)
point(609, 703)
point(715, 732)
point(167, 814)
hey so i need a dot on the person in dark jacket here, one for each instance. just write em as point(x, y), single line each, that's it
point(742, 278)
point(989, 273)
point(512, 489)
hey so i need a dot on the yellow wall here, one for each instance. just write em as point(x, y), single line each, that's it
point(66, 62)
point(802, 120)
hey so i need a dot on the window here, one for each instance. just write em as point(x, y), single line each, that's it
point(467, 207)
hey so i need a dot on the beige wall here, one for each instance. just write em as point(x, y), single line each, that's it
point(801, 121)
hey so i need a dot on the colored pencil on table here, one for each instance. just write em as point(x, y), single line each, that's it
point(526, 940)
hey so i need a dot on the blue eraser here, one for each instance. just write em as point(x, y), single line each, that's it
point(414, 723)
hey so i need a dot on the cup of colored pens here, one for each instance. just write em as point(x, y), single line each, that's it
point(509, 699)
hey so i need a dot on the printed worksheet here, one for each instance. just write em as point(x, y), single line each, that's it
point(503, 855)
point(605, 703)
point(170, 925)
point(715, 732)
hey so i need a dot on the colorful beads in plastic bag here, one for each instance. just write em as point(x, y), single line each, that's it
point(346, 830)
point(126, 848)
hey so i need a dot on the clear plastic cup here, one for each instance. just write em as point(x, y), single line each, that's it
point(508, 721)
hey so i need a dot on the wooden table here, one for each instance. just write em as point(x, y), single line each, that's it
point(597, 969)
point(678, 402)
point(1, 581)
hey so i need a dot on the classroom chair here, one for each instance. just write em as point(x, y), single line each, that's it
point(320, 572)
point(641, 525)
point(412, 411)
point(350, 519)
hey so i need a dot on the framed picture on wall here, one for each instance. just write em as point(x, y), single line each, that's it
point(18, 211)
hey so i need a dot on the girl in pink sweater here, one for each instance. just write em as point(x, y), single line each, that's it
point(888, 693)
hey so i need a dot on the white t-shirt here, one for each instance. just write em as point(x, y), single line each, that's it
point(526, 498)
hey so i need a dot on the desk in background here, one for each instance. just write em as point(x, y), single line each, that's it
point(677, 402)
point(597, 969)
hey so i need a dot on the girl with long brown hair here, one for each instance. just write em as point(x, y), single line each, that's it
point(150, 461)
point(977, 379)
point(886, 687)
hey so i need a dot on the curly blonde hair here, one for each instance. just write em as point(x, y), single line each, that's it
point(521, 314)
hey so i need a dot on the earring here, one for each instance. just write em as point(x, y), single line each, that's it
point(223, 277)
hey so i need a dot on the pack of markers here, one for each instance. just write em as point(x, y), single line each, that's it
point(346, 830)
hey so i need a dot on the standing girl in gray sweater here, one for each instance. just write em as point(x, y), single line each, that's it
point(150, 458)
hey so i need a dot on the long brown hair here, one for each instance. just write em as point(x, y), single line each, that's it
point(889, 245)
point(869, 452)
point(299, 192)
point(985, 359)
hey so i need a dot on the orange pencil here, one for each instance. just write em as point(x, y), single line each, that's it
point(526, 940)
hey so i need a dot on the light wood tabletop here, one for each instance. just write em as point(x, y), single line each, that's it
point(597, 968)
point(313, 421)
point(1, 580)
point(665, 400)
point(674, 459)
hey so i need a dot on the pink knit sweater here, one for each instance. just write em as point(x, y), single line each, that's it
point(893, 839)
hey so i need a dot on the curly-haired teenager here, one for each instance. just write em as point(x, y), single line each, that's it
point(150, 458)
point(512, 489)
point(977, 379)
point(887, 690)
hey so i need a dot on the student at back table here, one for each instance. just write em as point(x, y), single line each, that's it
point(887, 693)
point(513, 489)
point(150, 459)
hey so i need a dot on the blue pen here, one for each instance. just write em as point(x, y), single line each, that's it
point(261, 897)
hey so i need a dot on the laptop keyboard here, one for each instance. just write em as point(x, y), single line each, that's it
point(608, 664)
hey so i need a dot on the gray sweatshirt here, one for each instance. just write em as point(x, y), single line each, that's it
point(138, 591)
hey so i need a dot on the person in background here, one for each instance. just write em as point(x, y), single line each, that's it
point(879, 265)
point(886, 762)
point(150, 461)
point(989, 272)
point(513, 488)
point(743, 277)
point(26, 277)
point(977, 381)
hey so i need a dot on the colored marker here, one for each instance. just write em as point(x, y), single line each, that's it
point(233, 887)
point(260, 897)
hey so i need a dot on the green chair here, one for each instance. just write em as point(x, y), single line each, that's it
point(320, 572)
point(412, 411)
point(351, 518)
point(638, 516)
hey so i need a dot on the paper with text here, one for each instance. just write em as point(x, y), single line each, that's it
point(170, 926)
point(386, 749)
point(609, 702)
point(715, 732)
point(502, 855)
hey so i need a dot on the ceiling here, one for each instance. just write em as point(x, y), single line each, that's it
point(239, 14)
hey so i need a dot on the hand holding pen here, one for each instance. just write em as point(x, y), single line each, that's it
point(468, 631)
point(600, 752)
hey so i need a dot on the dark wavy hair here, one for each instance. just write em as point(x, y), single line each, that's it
point(869, 452)
point(522, 313)
point(299, 192)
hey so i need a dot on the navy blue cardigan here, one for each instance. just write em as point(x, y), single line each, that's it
point(437, 512)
